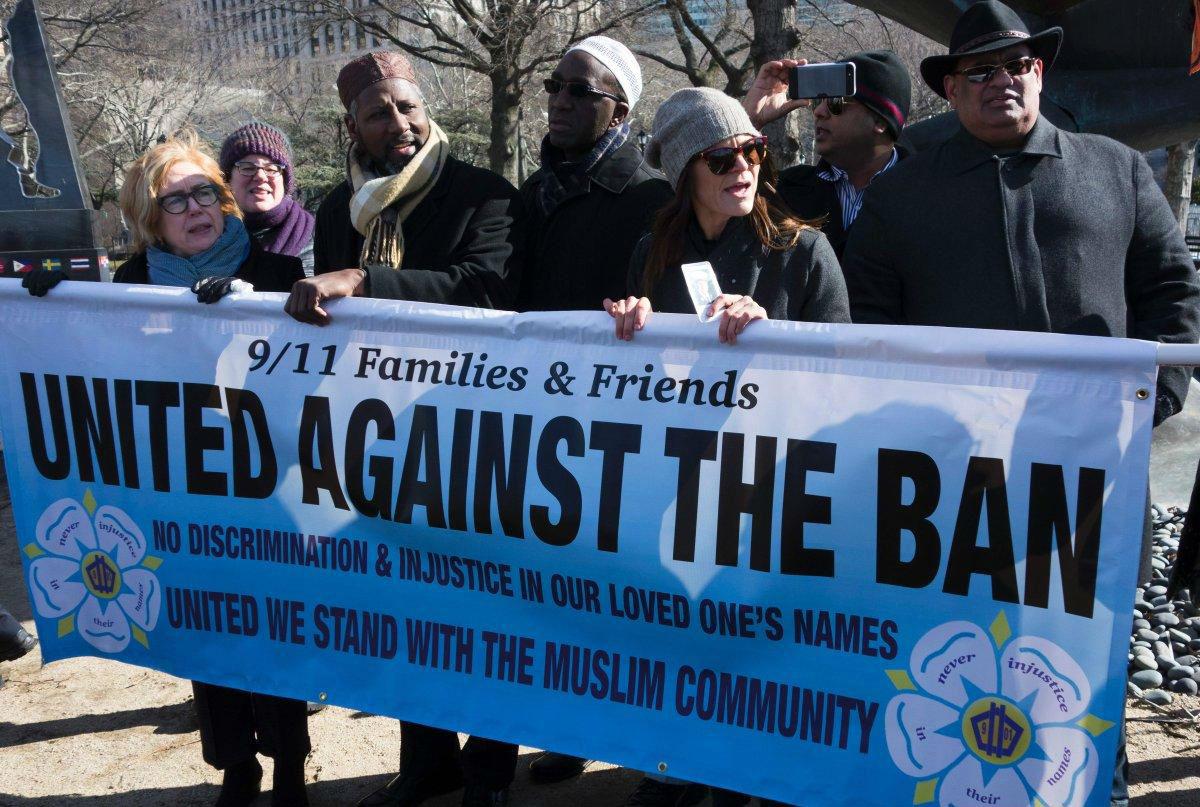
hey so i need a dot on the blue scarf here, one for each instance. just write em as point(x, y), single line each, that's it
point(560, 178)
point(222, 259)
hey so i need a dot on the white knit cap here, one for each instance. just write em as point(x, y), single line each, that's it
point(617, 58)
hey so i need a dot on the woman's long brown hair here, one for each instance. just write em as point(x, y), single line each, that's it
point(777, 227)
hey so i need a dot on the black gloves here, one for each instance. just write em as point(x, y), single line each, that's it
point(211, 289)
point(40, 281)
point(1165, 405)
point(207, 289)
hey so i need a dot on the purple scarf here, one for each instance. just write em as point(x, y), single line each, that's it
point(285, 229)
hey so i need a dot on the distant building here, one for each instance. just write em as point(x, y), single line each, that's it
point(815, 12)
point(710, 14)
point(258, 31)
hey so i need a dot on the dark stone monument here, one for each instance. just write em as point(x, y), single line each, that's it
point(1122, 72)
point(45, 215)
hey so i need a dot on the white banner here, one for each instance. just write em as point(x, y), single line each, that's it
point(828, 565)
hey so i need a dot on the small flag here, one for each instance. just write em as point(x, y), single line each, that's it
point(52, 264)
point(81, 264)
point(18, 266)
point(3, 266)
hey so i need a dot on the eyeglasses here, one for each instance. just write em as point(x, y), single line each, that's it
point(836, 104)
point(576, 89)
point(176, 203)
point(722, 159)
point(982, 73)
point(250, 169)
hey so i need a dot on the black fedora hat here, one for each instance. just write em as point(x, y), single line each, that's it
point(984, 27)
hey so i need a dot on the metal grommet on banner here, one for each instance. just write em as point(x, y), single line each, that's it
point(662, 767)
point(1143, 394)
point(323, 697)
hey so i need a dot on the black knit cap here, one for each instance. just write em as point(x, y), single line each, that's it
point(984, 27)
point(883, 86)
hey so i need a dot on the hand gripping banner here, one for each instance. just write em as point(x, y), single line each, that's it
point(831, 565)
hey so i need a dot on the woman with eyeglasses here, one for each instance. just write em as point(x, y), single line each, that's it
point(187, 228)
point(257, 162)
point(188, 231)
point(769, 264)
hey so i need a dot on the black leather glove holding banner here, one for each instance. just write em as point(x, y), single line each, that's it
point(211, 289)
point(40, 281)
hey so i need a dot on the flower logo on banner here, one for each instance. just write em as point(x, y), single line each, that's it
point(984, 718)
point(90, 571)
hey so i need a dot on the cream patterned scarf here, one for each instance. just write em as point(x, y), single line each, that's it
point(381, 203)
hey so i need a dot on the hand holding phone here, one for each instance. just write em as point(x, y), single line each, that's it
point(767, 98)
point(826, 80)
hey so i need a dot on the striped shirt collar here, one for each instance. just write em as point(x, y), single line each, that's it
point(831, 173)
point(850, 197)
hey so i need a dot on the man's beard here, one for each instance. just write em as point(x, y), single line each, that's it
point(390, 167)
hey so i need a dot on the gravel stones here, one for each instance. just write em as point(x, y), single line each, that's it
point(1164, 646)
point(1158, 697)
point(1147, 679)
point(1185, 686)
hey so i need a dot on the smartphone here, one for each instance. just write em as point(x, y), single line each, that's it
point(826, 80)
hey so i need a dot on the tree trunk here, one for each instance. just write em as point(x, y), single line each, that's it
point(506, 101)
point(1178, 185)
point(776, 37)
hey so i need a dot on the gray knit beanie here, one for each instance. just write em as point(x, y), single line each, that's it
point(690, 121)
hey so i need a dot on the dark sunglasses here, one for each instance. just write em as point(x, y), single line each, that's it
point(836, 104)
point(722, 159)
point(576, 89)
point(982, 73)
point(176, 203)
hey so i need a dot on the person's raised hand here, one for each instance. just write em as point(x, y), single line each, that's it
point(308, 295)
point(629, 315)
point(767, 99)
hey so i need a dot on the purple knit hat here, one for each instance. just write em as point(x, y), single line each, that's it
point(258, 138)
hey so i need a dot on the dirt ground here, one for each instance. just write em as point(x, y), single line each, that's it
point(95, 733)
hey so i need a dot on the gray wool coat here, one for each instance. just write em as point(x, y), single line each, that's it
point(1069, 235)
point(802, 284)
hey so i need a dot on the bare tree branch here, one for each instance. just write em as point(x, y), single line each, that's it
point(505, 41)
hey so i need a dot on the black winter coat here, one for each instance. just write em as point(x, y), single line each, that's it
point(579, 254)
point(803, 284)
point(265, 271)
point(461, 243)
point(1069, 235)
point(812, 198)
